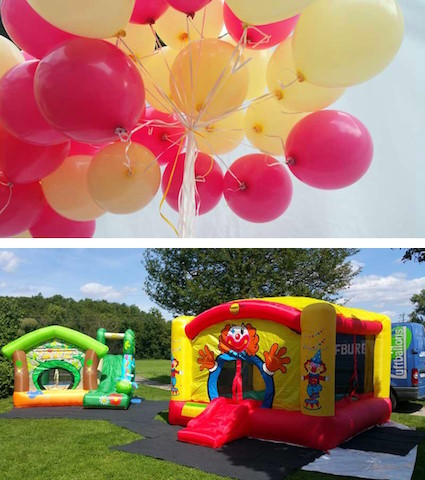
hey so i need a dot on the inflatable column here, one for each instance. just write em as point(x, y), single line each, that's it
point(181, 361)
point(317, 367)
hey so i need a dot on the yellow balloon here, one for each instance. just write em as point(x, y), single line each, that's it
point(156, 78)
point(10, 55)
point(176, 30)
point(208, 79)
point(222, 136)
point(138, 41)
point(295, 95)
point(267, 128)
point(88, 18)
point(341, 43)
point(67, 192)
point(257, 67)
point(123, 182)
point(262, 12)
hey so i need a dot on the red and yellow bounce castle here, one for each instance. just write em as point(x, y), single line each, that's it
point(267, 368)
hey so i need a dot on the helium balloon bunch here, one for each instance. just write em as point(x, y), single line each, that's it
point(104, 103)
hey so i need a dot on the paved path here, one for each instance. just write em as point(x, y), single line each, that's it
point(150, 383)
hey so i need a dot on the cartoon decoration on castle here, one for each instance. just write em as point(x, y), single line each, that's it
point(315, 369)
point(241, 343)
point(174, 372)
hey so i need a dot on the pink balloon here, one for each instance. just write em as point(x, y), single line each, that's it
point(23, 162)
point(209, 182)
point(78, 148)
point(28, 56)
point(259, 37)
point(21, 209)
point(188, 6)
point(148, 11)
point(30, 31)
point(89, 89)
point(262, 189)
point(329, 149)
point(160, 135)
point(19, 112)
point(52, 225)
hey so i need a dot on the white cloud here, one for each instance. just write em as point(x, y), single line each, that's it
point(384, 291)
point(97, 290)
point(356, 266)
point(9, 262)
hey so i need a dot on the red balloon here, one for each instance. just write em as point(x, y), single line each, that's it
point(329, 149)
point(23, 162)
point(19, 112)
point(147, 12)
point(30, 31)
point(52, 225)
point(21, 207)
point(262, 189)
point(259, 37)
point(160, 135)
point(209, 182)
point(188, 6)
point(88, 89)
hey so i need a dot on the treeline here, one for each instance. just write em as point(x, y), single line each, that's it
point(30, 313)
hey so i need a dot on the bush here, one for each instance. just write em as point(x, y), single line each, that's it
point(10, 313)
point(6, 378)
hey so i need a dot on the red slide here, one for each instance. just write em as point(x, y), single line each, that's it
point(221, 422)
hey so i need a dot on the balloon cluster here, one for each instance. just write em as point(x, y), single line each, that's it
point(101, 94)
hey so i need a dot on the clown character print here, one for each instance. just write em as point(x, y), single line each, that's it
point(315, 369)
point(174, 372)
point(240, 343)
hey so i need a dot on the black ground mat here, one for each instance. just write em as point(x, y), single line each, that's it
point(244, 459)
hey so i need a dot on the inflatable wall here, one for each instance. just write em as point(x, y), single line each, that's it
point(267, 369)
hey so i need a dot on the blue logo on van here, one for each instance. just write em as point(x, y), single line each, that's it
point(400, 342)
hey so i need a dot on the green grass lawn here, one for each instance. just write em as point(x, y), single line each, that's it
point(156, 370)
point(80, 449)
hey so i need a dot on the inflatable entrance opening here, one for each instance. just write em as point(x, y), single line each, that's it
point(290, 369)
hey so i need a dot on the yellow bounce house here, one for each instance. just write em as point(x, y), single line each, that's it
point(267, 368)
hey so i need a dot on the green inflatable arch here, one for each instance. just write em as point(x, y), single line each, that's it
point(37, 337)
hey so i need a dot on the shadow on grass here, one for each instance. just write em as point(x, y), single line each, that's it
point(162, 416)
point(164, 379)
point(408, 407)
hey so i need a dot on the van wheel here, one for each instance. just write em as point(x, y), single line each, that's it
point(393, 398)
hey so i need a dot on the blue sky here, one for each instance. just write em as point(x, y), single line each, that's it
point(385, 284)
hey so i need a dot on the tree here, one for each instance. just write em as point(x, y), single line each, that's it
point(10, 315)
point(188, 281)
point(418, 313)
point(417, 254)
point(153, 340)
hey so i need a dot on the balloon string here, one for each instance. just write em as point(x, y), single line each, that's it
point(187, 197)
point(228, 113)
point(282, 144)
point(164, 196)
point(191, 76)
point(160, 91)
point(10, 185)
point(264, 39)
point(230, 69)
point(173, 143)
